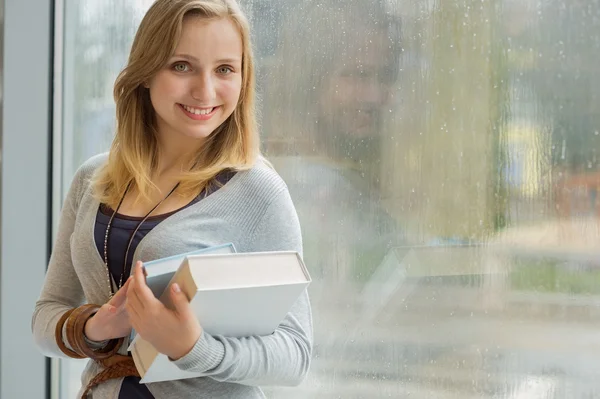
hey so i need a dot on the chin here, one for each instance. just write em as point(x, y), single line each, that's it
point(199, 135)
point(199, 132)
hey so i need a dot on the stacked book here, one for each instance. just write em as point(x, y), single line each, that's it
point(233, 294)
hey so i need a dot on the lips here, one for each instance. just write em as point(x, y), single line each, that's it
point(197, 113)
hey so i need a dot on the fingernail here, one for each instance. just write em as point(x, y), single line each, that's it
point(176, 287)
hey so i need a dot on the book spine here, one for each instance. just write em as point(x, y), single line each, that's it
point(183, 277)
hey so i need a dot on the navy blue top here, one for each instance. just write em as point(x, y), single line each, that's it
point(120, 232)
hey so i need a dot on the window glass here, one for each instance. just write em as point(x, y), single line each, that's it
point(443, 159)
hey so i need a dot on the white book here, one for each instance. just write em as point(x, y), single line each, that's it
point(160, 271)
point(234, 295)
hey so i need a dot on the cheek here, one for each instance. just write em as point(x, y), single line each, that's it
point(165, 86)
point(230, 91)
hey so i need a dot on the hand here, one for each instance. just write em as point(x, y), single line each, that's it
point(171, 332)
point(112, 320)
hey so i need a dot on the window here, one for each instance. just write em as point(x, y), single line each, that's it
point(443, 159)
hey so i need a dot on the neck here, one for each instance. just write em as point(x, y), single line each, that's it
point(169, 162)
point(175, 157)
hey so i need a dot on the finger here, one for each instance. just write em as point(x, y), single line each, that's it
point(133, 314)
point(180, 300)
point(140, 277)
point(143, 292)
point(119, 298)
point(134, 298)
point(138, 272)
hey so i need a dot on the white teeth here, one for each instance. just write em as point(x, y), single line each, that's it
point(197, 111)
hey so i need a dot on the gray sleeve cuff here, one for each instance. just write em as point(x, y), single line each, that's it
point(93, 345)
point(206, 355)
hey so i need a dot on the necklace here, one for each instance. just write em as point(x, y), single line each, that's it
point(106, 237)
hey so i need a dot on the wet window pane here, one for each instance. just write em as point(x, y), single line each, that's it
point(443, 159)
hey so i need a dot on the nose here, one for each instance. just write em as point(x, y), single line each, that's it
point(203, 89)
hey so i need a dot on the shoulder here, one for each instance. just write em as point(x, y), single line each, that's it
point(83, 177)
point(91, 166)
point(262, 182)
point(277, 225)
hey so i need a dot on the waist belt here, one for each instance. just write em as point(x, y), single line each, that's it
point(116, 366)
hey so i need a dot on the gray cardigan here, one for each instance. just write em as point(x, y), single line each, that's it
point(255, 212)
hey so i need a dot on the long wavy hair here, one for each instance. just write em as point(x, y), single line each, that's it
point(134, 152)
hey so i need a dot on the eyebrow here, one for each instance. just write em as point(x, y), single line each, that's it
point(221, 61)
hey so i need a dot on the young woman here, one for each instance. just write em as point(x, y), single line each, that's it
point(184, 172)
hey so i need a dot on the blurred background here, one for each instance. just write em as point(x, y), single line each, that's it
point(443, 157)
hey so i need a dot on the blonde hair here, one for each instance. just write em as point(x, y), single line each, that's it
point(134, 151)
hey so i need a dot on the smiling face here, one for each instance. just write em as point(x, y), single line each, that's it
point(199, 87)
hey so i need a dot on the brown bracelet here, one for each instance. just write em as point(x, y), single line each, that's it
point(76, 331)
point(58, 336)
point(75, 320)
point(71, 333)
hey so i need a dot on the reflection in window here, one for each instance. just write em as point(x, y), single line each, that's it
point(443, 160)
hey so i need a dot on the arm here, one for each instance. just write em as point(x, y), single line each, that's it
point(61, 290)
point(282, 358)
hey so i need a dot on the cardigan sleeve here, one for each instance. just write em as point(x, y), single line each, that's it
point(62, 289)
point(282, 358)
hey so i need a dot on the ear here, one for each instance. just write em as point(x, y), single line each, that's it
point(146, 85)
